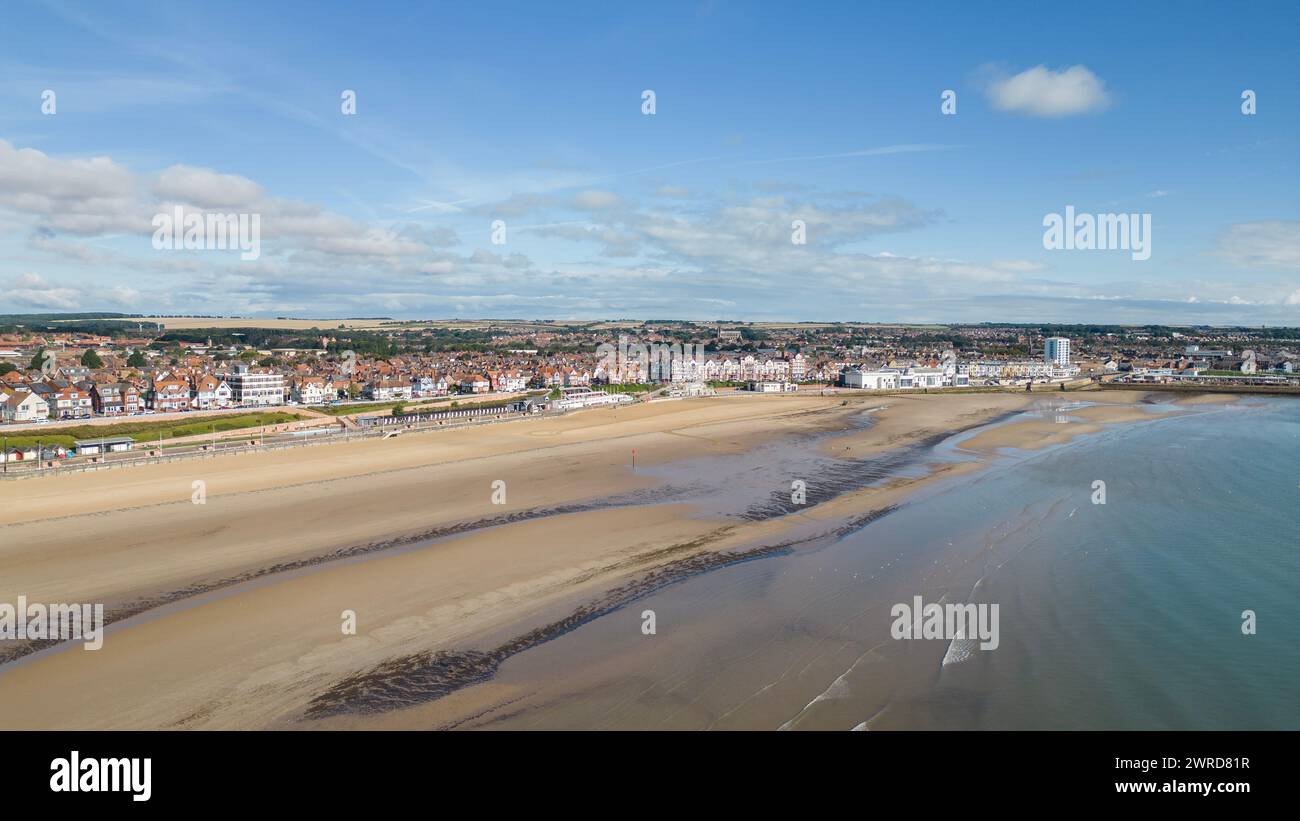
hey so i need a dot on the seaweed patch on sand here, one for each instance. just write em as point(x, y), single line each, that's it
point(432, 674)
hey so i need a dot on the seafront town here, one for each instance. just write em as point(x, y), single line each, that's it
point(309, 381)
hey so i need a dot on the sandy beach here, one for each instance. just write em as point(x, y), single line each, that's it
point(233, 607)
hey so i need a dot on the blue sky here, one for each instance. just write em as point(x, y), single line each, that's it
point(765, 113)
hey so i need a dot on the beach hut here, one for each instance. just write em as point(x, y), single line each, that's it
point(108, 444)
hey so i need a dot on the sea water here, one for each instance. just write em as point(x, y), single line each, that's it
point(1147, 577)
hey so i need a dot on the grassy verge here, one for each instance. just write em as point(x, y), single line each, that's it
point(345, 410)
point(457, 404)
point(427, 403)
point(148, 431)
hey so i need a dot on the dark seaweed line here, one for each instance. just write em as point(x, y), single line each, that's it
point(432, 674)
point(854, 525)
point(633, 499)
point(843, 477)
point(135, 608)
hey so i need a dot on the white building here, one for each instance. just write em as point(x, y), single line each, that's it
point(1056, 349)
point(921, 378)
point(686, 389)
point(24, 407)
point(881, 380)
point(888, 379)
point(1022, 369)
point(248, 388)
point(388, 389)
point(310, 390)
point(772, 387)
point(431, 385)
point(509, 380)
point(576, 398)
point(210, 392)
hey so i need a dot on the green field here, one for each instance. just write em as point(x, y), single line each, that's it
point(147, 431)
point(458, 404)
point(428, 403)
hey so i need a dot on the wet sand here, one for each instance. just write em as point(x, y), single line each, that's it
point(1059, 422)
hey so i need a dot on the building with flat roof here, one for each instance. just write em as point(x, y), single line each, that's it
point(108, 444)
point(1056, 349)
point(248, 388)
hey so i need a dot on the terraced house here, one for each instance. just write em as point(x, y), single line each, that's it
point(115, 399)
point(310, 390)
point(431, 385)
point(169, 393)
point(508, 380)
point(475, 383)
point(211, 392)
point(388, 389)
point(67, 400)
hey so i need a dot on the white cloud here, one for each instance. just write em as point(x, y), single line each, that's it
point(125, 295)
point(729, 253)
point(1017, 266)
point(439, 207)
point(26, 170)
point(32, 291)
point(97, 197)
point(1265, 244)
point(374, 242)
point(597, 200)
point(206, 188)
point(1042, 92)
point(885, 150)
point(81, 252)
point(80, 196)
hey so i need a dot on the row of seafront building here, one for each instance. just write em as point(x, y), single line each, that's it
point(31, 459)
point(73, 392)
point(762, 374)
point(953, 373)
point(205, 378)
point(55, 397)
point(198, 381)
